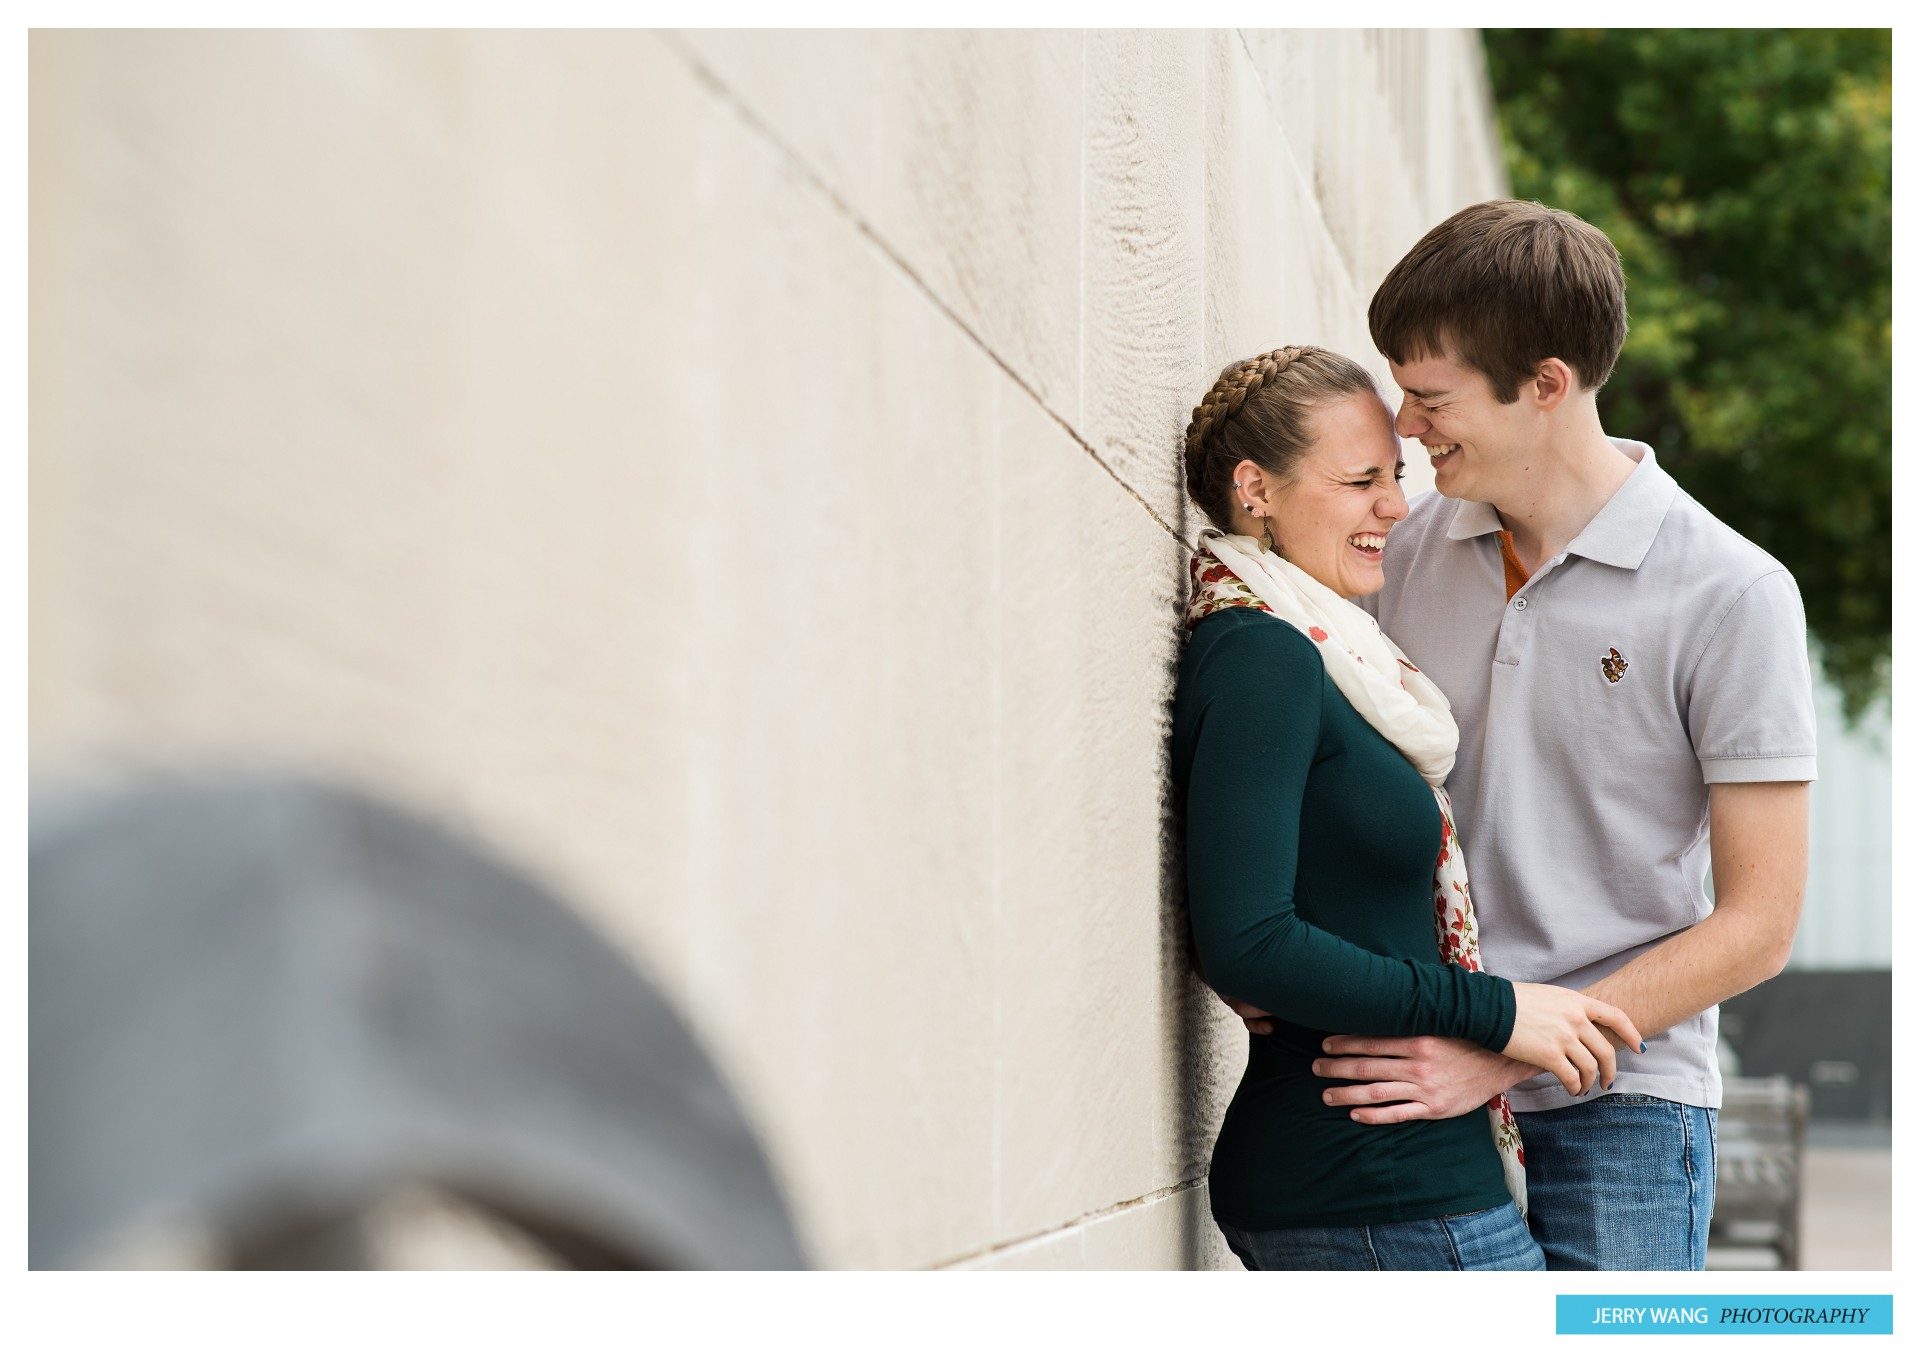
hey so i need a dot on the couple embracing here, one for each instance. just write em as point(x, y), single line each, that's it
point(1558, 668)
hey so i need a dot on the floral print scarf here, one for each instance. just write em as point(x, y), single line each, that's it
point(1400, 702)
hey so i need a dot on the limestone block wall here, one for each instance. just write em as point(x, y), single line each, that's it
point(735, 475)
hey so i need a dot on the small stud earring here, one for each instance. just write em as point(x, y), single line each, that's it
point(1249, 506)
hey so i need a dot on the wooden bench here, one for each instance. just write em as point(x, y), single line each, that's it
point(1762, 1143)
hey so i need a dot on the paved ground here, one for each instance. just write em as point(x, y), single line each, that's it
point(1848, 1205)
point(1849, 1209)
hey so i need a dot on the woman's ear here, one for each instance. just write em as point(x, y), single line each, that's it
point(1250, 486)
point(1253, 487)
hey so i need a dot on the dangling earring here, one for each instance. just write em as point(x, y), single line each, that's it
point(1266, 527)
point(1266, 523)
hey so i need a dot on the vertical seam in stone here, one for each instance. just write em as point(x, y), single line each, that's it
point(996, 688)
point(1081, 384)
point(1480, 94)
point(1200, 337)
point(1293, 160)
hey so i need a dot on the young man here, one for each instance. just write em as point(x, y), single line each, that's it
point(1630, 679)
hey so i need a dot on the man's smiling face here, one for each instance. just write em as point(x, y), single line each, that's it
point(1477, 444)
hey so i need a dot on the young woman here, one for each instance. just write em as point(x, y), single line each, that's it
point(1322, 869)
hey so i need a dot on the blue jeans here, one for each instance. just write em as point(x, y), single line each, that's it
point(1484, 1240)
point(1622, 1183)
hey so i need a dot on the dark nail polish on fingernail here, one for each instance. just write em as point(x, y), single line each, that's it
point(1643, 1046)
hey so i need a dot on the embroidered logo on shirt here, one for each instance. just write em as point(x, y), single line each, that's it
point(1613, 666)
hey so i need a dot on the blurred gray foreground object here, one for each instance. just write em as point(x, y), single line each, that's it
point(260, 1007)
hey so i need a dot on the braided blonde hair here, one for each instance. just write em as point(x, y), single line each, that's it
point(1261, 409)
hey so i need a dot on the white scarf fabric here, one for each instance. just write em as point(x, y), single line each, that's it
point(1405, 707)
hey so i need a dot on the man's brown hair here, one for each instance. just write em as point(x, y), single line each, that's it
point(1502, 286)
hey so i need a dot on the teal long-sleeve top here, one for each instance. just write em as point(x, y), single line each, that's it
point(1310, 845)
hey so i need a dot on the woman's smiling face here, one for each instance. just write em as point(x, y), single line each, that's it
point(1331, 518)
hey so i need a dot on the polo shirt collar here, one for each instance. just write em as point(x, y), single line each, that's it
point(1471, 519)
point(1620, 533)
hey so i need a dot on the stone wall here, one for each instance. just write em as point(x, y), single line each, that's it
point(734, 474)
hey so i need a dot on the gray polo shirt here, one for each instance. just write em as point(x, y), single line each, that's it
point(1659, 654)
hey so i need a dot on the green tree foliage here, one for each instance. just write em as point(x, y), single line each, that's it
point(1745, 176)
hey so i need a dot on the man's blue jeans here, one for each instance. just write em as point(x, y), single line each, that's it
point(1485, 1240)
point(1622, 1183)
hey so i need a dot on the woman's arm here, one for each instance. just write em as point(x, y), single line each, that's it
point(1253, 746)
point(1255, 701)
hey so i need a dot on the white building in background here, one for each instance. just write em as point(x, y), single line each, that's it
point(1847, 924)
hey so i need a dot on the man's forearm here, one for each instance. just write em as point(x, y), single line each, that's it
point(1723, 955)
point(1759, 873)
point(1759, 833)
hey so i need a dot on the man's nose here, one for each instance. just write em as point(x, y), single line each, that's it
point(1408, 422)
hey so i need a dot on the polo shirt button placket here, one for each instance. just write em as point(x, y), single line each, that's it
point(1507, 649)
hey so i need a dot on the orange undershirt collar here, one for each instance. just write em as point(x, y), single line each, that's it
point(1516, 574)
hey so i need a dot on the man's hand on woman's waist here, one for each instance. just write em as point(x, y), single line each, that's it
point(1414, 1078)
point(1403, 1078)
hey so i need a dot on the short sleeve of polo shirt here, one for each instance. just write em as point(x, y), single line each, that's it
point(1750, 711)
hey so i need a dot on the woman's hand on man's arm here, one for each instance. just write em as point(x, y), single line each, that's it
point(1566, 1033)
